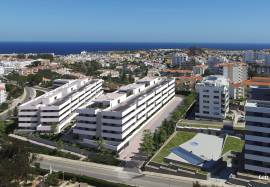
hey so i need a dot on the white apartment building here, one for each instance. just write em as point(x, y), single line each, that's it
point(236, 73)
point(55, 109)
point(256, 56)
point(116, 117)
point(60, 82)
point(213, 61)
point(257, 130)
point(213, 98)
point(3, 94)
point(199, 69)
point(179, 58)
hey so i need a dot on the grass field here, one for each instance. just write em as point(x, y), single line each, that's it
point(179, 138)
point(233, 144)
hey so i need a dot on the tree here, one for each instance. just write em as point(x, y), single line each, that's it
point(162, 135)
point(52, 179)
point(101, 145)
point(15, 163)
point(147, 146)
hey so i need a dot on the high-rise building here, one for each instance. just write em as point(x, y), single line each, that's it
point(236, 73)
point(213, 97)
point(116, 117)
point(54, 110)
point(257, 129)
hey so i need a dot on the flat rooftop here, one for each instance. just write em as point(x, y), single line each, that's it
point(146, 79)
point(126, 104)
point(201, 148)
point(61, 89)
point(130, 87)
point(214, 80)
point(109, 96)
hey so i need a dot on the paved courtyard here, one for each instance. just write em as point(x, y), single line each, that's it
point(132, 151)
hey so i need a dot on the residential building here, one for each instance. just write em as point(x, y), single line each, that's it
point(199, 69)
point(259, 69)
point(213, 62)
point(55, 109)
point(236, 73)
point(179, 58)
point(116, 117)
point(213, 98)
point(257, 56)
point(60, 82)
point(175, 72)
point(257, 129)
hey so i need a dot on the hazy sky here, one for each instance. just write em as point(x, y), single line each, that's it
point(135, 20)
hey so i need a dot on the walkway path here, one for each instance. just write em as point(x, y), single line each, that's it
point(132, 151)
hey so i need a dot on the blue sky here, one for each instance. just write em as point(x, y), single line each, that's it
point(239, 21)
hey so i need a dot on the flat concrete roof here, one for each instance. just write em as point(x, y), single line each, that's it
point(145, 79)
point(202, 147)
point(110, 96)
point(130, 87)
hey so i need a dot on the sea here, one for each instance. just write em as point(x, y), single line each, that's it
point(64, 48)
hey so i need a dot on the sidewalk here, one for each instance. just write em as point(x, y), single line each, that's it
point(44, 145)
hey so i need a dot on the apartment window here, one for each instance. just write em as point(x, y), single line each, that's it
point(206, 107)
point(204, 101)
point(205, 112)
point(205, 91)
point(257, 114)
point(216, 91)
point(205, 96)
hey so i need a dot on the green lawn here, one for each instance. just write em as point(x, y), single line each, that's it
point(179, 138)
point(233, 144)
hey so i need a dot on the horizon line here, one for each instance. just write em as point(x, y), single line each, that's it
point(156, 42)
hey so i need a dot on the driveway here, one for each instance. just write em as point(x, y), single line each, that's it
point(132, 151)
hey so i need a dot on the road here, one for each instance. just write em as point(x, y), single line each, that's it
point(132, 151)
point(112, 173)
point(42, 89)
point(28, 94)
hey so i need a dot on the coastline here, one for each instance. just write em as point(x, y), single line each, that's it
point(64, 48)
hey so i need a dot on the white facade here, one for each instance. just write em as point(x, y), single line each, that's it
point(116, 117)
point(199, 69)
point(213, 61)
point(3, 94)
point(254, 56)
point(213, 97)
point(236, 73)
point(257, 130)
point(179, 58)
point(58, 107)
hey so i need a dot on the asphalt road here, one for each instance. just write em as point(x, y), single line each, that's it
point(131, 152)
point(29, 93)
point(112, 173)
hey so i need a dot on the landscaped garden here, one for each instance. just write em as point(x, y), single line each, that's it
point(233, 144)
point(178, 139)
